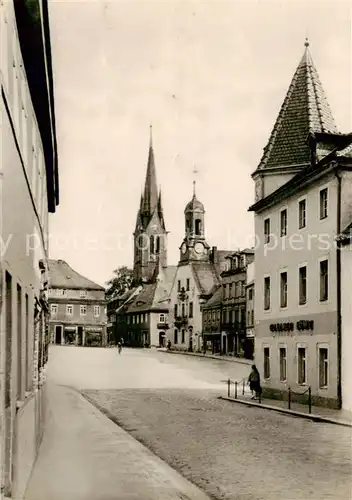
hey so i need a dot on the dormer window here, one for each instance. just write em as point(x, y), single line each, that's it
point(83, 293)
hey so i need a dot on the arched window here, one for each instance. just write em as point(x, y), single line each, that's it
point(157, 244)
point(198, 227)
point(151, 244)
point(188, 227)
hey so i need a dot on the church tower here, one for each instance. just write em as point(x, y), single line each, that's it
point(194, 247)
point(150, 235)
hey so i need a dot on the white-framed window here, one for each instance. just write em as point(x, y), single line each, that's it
point(83, 310)
point(283, 222)
point(324, 279)
point(302, 286)
point(53, 309)
point(96, 311)
point(267, 293)
point(323, 358)
point(323, 203)
point(162, 318)
point(69, 310)
point(301, 364)
point(283, 289)
point(83, 293)
point(283, 363)
point(302, 214)
point(267, 230)
point(137, 318)
point(266, 362)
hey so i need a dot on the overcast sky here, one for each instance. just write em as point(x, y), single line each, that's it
point(210, 76)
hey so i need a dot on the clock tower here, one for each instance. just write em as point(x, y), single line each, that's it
point(194, 247)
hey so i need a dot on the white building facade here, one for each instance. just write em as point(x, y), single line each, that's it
point(303, 193)
point(29, 190)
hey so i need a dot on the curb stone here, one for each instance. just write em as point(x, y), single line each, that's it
point(218, 358)
point(309, 416)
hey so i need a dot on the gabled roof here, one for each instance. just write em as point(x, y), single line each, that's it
point(215, 299)
point(305, 110)
point(61, 275)
point(206, 276)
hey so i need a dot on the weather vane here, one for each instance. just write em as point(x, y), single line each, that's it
point(195, 172)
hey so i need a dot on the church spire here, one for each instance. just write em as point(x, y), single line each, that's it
point(150, 198)
point(305, 110)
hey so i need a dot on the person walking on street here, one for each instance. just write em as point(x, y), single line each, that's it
point(254, 382)
point(119, 347)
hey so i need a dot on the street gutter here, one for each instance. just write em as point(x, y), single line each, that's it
point(309, 416)
point(209, 356)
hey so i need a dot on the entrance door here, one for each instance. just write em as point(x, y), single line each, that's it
point(58, 334)
point(80, 335)
point(224, 344)
point(162, 339)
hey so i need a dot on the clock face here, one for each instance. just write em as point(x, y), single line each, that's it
point(184, 248)
point(199, 248)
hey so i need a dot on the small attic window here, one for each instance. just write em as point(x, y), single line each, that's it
point(68, 277)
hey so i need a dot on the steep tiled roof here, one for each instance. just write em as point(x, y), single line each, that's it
point(163, 289)
point(215, 299)
point(61, 275)
point(304, 110)
point(206, 276)
point(144, 300)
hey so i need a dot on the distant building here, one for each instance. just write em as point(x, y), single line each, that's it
point(233, 325)
point(197, 277)
point(211, 316)
point(77, 307)
point(29, 190)
point(250, 319)
point(303, 190)
point(140, 316)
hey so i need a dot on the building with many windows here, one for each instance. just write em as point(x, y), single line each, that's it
point(303, 200)
point(233, 325)
point(77, 308)
point(250, 321)
point(29, 191)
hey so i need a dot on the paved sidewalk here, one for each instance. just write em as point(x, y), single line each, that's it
point(233, 359)
point(85, 456)
point(340, 417)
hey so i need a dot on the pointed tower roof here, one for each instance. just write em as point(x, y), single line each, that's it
point(305, 110)
point(150, 201)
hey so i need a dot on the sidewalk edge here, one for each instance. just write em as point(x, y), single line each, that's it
point(309, 416)
point(207, 356)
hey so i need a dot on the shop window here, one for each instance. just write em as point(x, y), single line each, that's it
point(323, 367)
point(283, 364)
point(302, 365)
point(266, 362)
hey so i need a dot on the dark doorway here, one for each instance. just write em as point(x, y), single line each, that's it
point(80, 335)
point(161, 339)
point(58, 334)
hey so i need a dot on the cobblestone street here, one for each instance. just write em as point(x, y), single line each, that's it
point(231, 451)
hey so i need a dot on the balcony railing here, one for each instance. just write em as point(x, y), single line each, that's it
point(181, 320)
point(162, 326)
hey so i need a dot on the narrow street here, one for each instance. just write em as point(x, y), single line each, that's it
point(168, 402)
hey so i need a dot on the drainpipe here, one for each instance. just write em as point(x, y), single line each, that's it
point(338, 283)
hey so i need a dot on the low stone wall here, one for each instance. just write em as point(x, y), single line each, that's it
point(298, 398)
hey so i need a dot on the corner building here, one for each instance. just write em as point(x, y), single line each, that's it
point(303, 188)
point(28, 192)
